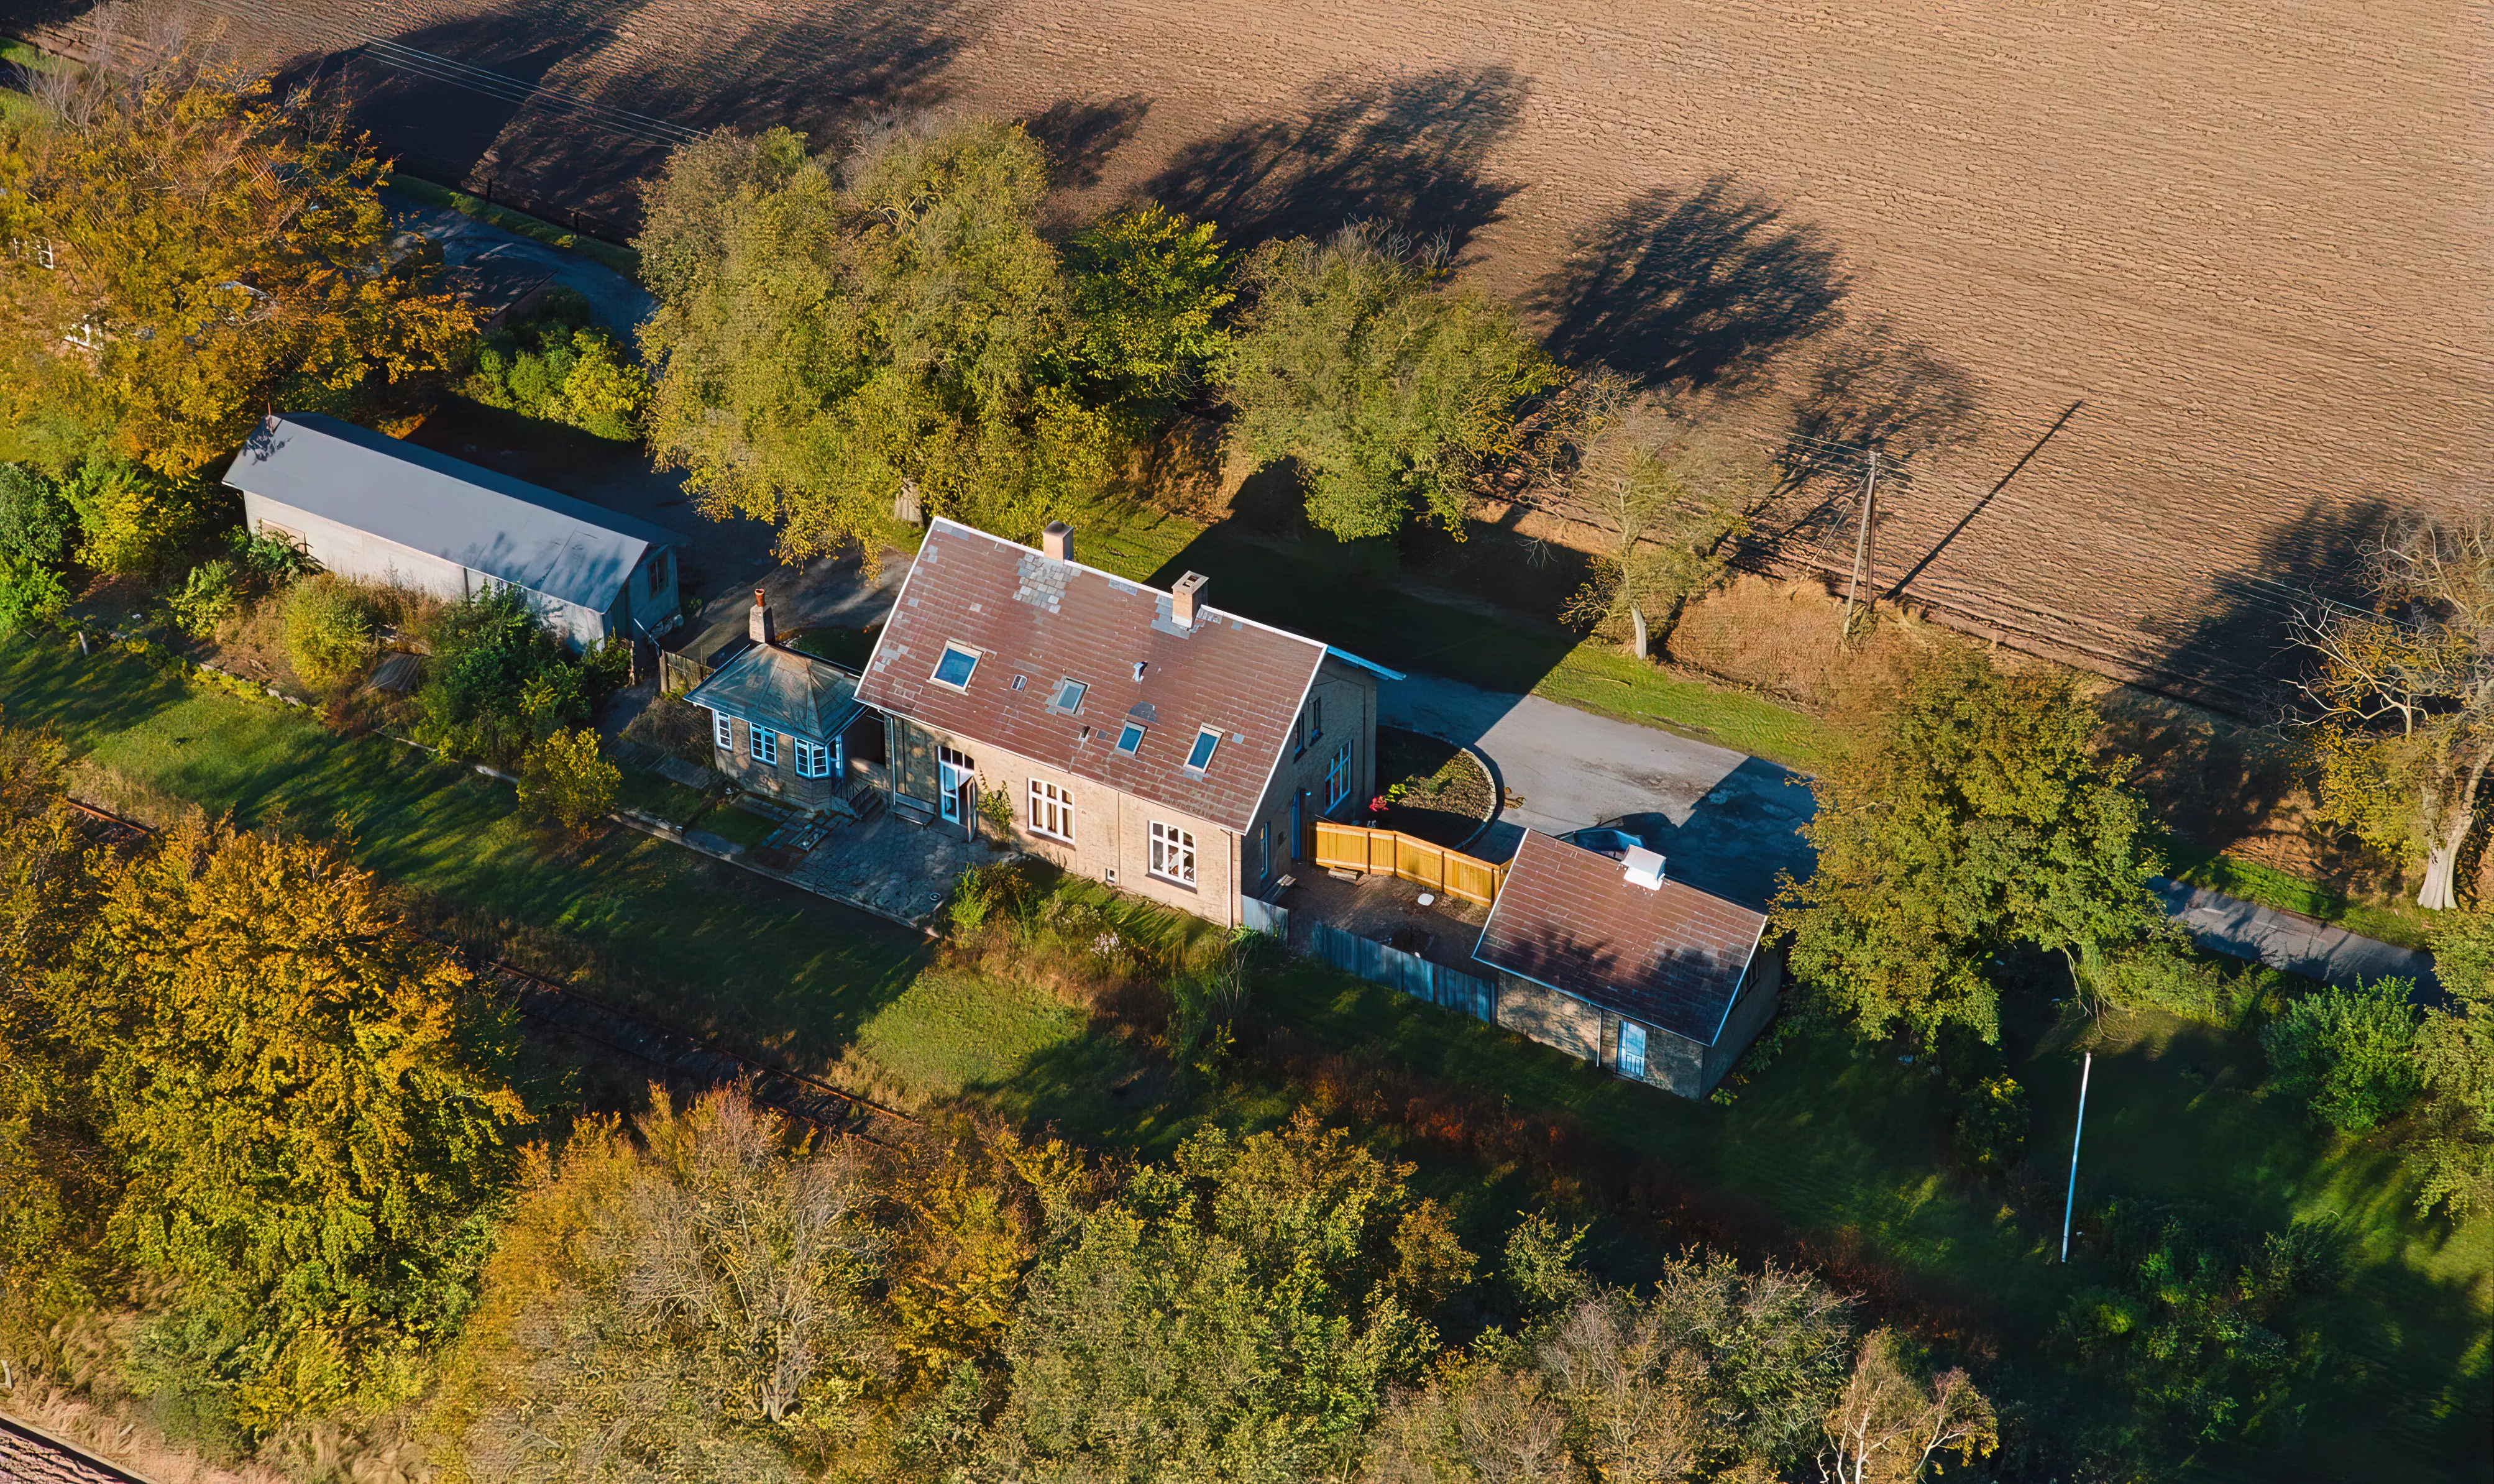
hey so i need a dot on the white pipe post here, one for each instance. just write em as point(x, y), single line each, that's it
point(2070, 1204)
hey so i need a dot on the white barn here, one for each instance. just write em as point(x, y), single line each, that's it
point(367, 505)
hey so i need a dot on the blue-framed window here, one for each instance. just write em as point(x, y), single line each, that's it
point(956, 667)
point(765, 744)
point(724, 730)
point(1199, 757)
point(1131, 741)
point(813, 759)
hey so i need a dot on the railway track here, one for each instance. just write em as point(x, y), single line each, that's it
point(673, 1053)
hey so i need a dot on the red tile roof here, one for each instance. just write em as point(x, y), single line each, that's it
point(1671, 958)
point(1039, 623)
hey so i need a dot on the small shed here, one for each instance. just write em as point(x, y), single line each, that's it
point(779, 718)
point(1613, 961)
point(374, 507)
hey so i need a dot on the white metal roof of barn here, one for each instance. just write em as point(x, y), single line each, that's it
point(507, 528)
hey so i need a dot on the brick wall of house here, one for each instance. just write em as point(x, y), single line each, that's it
point(1550, 1018)
point(1749, 1015)
point(777, 782)
point(1349, 695)
point(1111, 830)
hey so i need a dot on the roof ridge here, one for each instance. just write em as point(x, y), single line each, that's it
point(1084, 567)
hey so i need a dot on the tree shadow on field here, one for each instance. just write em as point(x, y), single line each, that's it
point(526, 96)
point(1409, 154)
point(1875, 388)
point(1692, 288)
point(2230, 650)
point(1080, 134)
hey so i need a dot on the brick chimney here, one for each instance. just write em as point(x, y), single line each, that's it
point(1182, 598)
point(757, 623)
point(1057, 542)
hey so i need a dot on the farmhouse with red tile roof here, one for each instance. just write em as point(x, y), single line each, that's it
point(1142, 738)
point(1613, 961)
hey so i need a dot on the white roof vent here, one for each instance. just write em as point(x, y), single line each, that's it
point(1643, 867)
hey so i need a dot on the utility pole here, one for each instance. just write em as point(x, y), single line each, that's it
point(2071, 1203)
point(1862, 555)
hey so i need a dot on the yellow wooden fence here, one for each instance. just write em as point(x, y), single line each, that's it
point(1391, 853)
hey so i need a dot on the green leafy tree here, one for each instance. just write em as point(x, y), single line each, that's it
point(566, 783)
point(1148, 288)
point(312, 1120)
point(36, 527)
point(1233, 1315)
point(1388, 387)
point(2347, 1053)
point(1966, 810)
point(2453, 1136)
point(831, 334)
point(190, 249)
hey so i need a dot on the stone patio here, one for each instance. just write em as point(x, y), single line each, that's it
point(885, 864)
point(1386, 909)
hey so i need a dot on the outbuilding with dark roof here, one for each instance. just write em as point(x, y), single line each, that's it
point(1612, 960)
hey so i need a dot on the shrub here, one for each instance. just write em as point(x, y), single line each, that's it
point(35, 527)
point(205, 597)
point(1992, 1124)
point(131, 519)
point(499, 683)
point(2169, 977)
point(269, 560)
point(558, 367)
point(566, 783)
point(2349, 1052)
point(328, 630)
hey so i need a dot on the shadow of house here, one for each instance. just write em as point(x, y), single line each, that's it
point(1741, 838)
point(1080, 134)
point(1692, 288)
point(1410, 154)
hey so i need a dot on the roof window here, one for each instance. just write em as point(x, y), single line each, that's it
point(954, 668)
point(1199, 757)
point(1131, 740)
point(1069, 696)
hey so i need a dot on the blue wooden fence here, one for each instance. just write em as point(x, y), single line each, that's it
point(1409, 973)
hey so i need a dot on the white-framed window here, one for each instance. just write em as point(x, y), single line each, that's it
point(1199, 757)
point(813, 759)
point(1069, 696)
point(1172, 853)
point(1632, 1049)
point(1131, 740)
point(724, 730)
point(1338, 775)
point(764, 744)
point(956, 666)
point(1051, 811)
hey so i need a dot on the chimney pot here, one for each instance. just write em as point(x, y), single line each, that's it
point(1182, 598)
point(1057, 542)
point(757, 623)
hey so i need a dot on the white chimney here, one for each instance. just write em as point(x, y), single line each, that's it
point(1182, 598)
point(1057, 542)
point(757, 623)
point(1642, 868)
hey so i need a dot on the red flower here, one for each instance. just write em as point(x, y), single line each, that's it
point(1377, 805)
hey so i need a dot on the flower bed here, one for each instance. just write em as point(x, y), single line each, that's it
point(1429, 788)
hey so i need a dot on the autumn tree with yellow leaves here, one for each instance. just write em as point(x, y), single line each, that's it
point(182, 249)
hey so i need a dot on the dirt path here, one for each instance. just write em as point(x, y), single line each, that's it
point(2228, 255)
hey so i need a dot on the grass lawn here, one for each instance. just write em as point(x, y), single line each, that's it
point(664, 798)
point(1833, 1147)
point(1345, 594)
point(2402, 922)
point(738, 827)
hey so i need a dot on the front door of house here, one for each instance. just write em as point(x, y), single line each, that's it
point(954, 776)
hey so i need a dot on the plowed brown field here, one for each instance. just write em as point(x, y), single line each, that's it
point(2242, 245)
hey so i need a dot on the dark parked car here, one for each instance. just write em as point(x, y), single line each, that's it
point(1614, 843)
